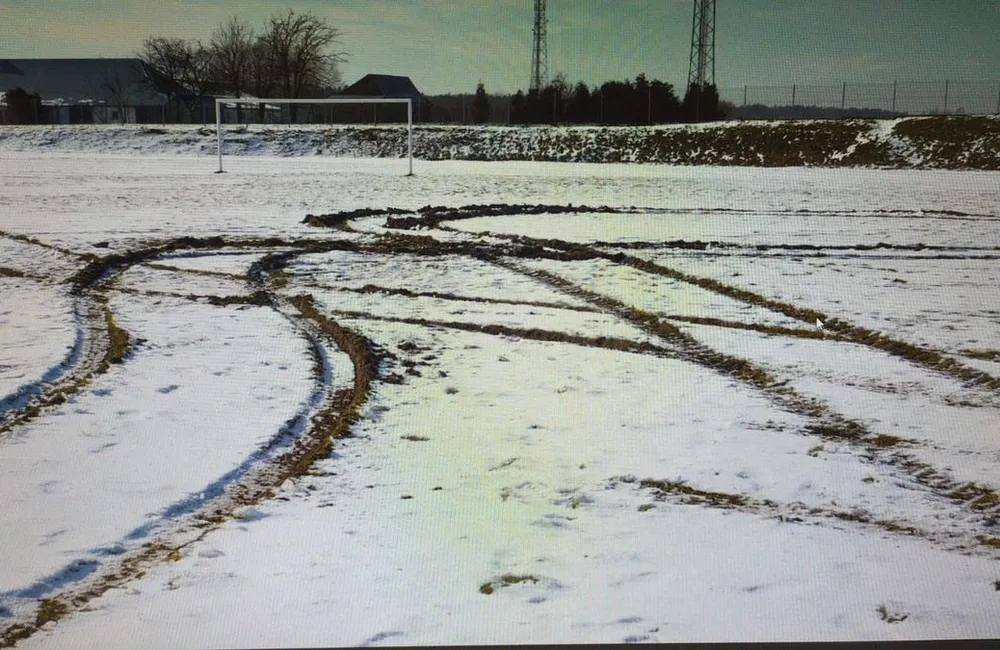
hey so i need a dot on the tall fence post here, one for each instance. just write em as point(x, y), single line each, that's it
point(218, 131)
point(945, 96)
point(793, 94)
point(893, 96)
point(998, 99)
point(409, 133)
point(843, 95)
point(744, 95)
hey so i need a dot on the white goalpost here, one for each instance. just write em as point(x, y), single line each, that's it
point(219, 101)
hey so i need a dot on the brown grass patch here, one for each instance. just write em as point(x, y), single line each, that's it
point(505, 580)
point(694, 495)
point(257, 298)
point(987, 540)
point(118, 342)
point(984, 355)
point(50, 610)
point(883, 441)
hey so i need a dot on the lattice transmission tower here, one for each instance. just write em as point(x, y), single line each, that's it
point(701, 71)
point(539, 49)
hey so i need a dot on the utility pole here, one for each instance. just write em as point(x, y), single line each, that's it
point(701, 70)
point(540, 48)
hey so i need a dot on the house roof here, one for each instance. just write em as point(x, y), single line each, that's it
point(383, 85)
point(71, 81)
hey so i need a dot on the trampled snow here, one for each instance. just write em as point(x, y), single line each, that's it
point(443, 274)
point(496, 495)
point(165, 427)
point(144, 278)
point(236, 263)
point(666, 296)
point(39, 331)
point(917, 296)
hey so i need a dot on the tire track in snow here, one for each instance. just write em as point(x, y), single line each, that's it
point(827, 424)
point(682, 492)
point(924, 356)
point(534, 334)
point(978, 500)
point(91, 355)
point(304, 438)
point(195, 519)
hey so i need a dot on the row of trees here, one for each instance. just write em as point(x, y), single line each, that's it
point(614, 102)
point(292, 56)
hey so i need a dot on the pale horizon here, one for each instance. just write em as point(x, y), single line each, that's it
point(448, 46)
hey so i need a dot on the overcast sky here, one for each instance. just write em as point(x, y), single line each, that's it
point(449, 45)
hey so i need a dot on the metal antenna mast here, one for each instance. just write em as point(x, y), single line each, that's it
point(540, 49)
point(701, 71)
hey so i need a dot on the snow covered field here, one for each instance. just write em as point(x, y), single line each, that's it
point(723, 415)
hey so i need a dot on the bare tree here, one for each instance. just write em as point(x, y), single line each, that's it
point(180, 69)
point(196, 75)
point(293, 57)
point(232, 58)
point(261, 74)
point(297, 50)
point(164, 62)
point(116, 89)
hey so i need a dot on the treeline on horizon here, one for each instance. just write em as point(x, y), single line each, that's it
point(628, 102)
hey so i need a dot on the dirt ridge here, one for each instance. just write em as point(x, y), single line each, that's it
point(937, 142)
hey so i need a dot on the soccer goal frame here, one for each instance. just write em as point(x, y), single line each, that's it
point(219, 101)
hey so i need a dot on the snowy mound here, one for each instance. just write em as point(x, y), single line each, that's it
point(934, 142)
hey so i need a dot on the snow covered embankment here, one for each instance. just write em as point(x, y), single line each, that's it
point(934, 142)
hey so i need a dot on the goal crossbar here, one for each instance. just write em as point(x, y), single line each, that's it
point(219, 101)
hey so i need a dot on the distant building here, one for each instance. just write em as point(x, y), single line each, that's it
point(75, 91)
point(391, 86)
point(248, 111)
point(124, 90)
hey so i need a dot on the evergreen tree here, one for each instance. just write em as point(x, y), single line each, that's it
point(701, 104)
point(665, 107)
point(533, 107)
point(581, 109)
point(640, 103)
point(518, 108)
point(481, 105)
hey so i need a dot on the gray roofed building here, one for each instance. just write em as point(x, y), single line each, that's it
point(387, 85)
point(95, 88)
point(383, 85)
point(79, 80)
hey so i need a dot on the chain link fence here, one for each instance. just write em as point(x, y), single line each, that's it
point(846, 99)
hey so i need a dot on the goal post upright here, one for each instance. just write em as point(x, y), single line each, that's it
point(219, 101)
